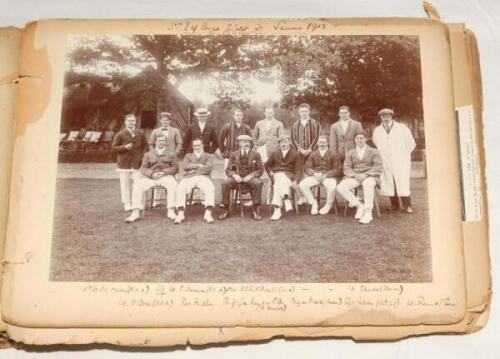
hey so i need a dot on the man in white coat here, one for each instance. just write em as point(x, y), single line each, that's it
point(395, 144)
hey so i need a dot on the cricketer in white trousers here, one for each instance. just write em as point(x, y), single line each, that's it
point(310, 181)
point(282, 186)
point(126, 176)
point(204, 183)
point(347, 185)
point(142, 184)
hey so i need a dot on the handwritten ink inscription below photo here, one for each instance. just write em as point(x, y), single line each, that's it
point(249, 159)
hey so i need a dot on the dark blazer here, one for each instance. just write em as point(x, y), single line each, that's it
point(291, 164)
point(340, 142)
point(371, 164)
point(328, 164)
point(154, 162)
point(256, 168)
point(129, 159)
point(208, 137)
point(228, 137)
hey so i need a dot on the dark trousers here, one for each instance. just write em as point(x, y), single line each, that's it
point(255, 186)
point(406, 202)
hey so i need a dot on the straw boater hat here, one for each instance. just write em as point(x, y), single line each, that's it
point(202, 112)
point(386, 111)
point(244, 138)
point(165, 114)
point(285, 134)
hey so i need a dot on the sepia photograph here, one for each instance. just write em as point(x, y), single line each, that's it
point(242, 159)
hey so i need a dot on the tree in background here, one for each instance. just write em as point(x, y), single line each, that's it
point(363, 72)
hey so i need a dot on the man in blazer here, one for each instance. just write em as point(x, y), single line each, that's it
point(171, 134)
point(362, 167)
point(342, 133)
point(305, 133)
point(266, 134)
point(129, 145)
point(228, 141)
point(203, 130)
point(173, 143)
point(244, 168)
point(321, 168)
point(158, 169)
point(283, 167)
point(197, 167)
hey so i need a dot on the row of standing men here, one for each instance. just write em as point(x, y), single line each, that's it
point(302, 159)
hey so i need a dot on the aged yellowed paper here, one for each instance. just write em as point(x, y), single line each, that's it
point(441, 302)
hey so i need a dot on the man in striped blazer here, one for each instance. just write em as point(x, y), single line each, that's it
point(362, 167)
point(305, 134)
point(228, 139)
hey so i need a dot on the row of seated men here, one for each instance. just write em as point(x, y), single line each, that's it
point(393, 140)
point(362, 167)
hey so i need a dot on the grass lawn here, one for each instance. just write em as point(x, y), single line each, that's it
point(91, 242)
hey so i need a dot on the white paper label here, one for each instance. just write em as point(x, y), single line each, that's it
point(472, 199)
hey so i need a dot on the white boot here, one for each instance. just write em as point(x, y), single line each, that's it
point(288, 205)
point(276, 214)
point(133, 217)
point(180, 217)
point(326, 208)
point(314, 208)
point(208, 216)
point(171, 214)
point(367, 216)
point(359, 211)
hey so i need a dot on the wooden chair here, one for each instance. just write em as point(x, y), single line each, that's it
point(149, 198)
point(317, 188)
point(270, 191)
point(376, 205)
point(236, 195)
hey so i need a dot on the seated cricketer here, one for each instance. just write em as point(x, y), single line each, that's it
point(244, 168)
point(158, 168)
point(284, 168)
point(197, 167)
point(322, 168)
point(362, 167)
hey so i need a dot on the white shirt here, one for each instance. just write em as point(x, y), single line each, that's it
point(361, 151)
point(202, 125)
point(162, 151)
point(267, 124)
point(198, 154)
point(244, 152)
point(322, 153)
point(164, 131)
point(305, 122)
point(284, 152)
point(345, 124)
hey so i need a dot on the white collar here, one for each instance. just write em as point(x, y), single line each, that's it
point(361, 151)
point(161, 152)
point(322, 153)
point(198, 155)
point(304, 122)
